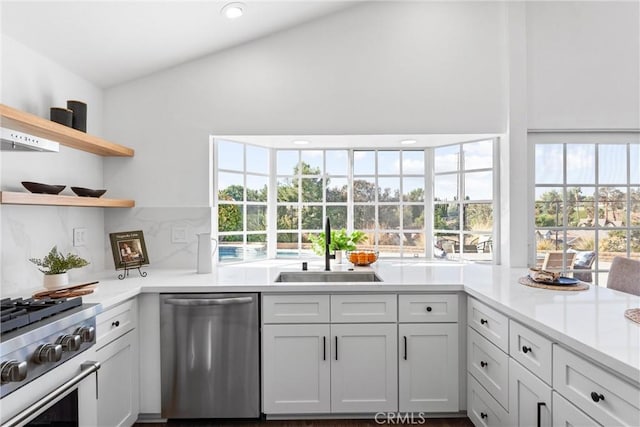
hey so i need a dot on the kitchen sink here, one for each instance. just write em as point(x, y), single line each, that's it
point(328, 276)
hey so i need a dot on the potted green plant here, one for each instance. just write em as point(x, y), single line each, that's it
point(55, 267)
point(340, 241)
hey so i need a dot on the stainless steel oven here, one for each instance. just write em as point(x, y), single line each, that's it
point(46, 368)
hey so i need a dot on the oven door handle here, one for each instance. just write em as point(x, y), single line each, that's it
point(87, 368)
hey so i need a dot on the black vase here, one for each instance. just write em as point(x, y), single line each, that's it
point(64, 116)
point(79, 109)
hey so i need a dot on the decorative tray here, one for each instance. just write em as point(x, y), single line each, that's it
point(561, 280)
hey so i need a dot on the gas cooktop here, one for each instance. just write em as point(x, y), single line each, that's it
point(18, 312)
point(38, 335)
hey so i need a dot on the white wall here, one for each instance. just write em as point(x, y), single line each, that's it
point(583, 65)
point(403, 67)
point(33, 83)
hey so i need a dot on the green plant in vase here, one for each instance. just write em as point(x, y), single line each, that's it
point(340, 241)
point(55, 267)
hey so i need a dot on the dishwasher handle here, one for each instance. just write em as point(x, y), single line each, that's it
point(208, 301)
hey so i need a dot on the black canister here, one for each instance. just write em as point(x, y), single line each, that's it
point(79, 114)
point(64, 116)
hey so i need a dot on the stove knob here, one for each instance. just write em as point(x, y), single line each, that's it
point(70, 342)
point(47, 353)
point(13, 371)
point(87, 333)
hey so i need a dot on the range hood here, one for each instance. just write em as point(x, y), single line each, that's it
point(12, 140)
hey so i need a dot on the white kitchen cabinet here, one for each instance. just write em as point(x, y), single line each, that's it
point(491, 324)
point(303, 308)
point(530, 398)
point(567, 415)
point(118, 377)
point(118, 382)
point(606, 398)
point(364, 364)
point(296, 369)
point(482, 408)
point(428, 367)
point(364, 308)
point(531, 349)
point(489, 365)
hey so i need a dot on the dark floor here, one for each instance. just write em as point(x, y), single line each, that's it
point(428, 422)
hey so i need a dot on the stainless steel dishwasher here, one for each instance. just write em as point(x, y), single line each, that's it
point(210, 355)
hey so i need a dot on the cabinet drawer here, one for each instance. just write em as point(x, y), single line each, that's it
point(295, 308)
point(367, 308)
point(489, 365)
point(607, 398)
point(565, 414)
point(531, 349)
point(483, 410)
point(492, 325)
point(115, 322)
point(428, 308)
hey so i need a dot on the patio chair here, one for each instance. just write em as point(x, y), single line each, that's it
point(553, 260)
point(624, 275)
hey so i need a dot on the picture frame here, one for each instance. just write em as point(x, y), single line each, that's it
point(129, 249)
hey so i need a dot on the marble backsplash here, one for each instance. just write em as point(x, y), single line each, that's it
point(158, 225)
point(31, 233)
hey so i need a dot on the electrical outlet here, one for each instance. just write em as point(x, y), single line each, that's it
point(79, 237)
point(178, 234)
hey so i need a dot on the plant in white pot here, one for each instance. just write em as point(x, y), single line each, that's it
point(340, 241)
point(55, 267)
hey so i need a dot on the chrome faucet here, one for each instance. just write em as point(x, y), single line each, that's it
point(327, 242)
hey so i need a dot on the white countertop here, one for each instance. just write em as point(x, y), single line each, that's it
point(591, 322)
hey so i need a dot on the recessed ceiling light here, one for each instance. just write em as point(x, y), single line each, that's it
point(301, 142)
point(233, 10)
point(408, 141)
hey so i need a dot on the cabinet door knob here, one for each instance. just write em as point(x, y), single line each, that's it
point(115, 324)
point(483, 321)
point(526, 349)
point(429, 308)
point(597, 397)
point(483, 363)
point(483, 415)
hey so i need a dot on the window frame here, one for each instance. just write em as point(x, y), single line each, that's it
point(597, 139)
point(427, 204)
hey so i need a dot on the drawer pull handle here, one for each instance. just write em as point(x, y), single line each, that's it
point(597, 397)
point(484, 364)
point(405, 348)
point(336, 347)
point(484, 321)
point(324, 348)
point(540, 405)
point(483, 415)
point(526, 349)
point(429, 309)
point(115, 324)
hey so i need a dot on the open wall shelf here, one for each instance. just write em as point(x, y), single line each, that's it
point(31, 124)
point(22, 198)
